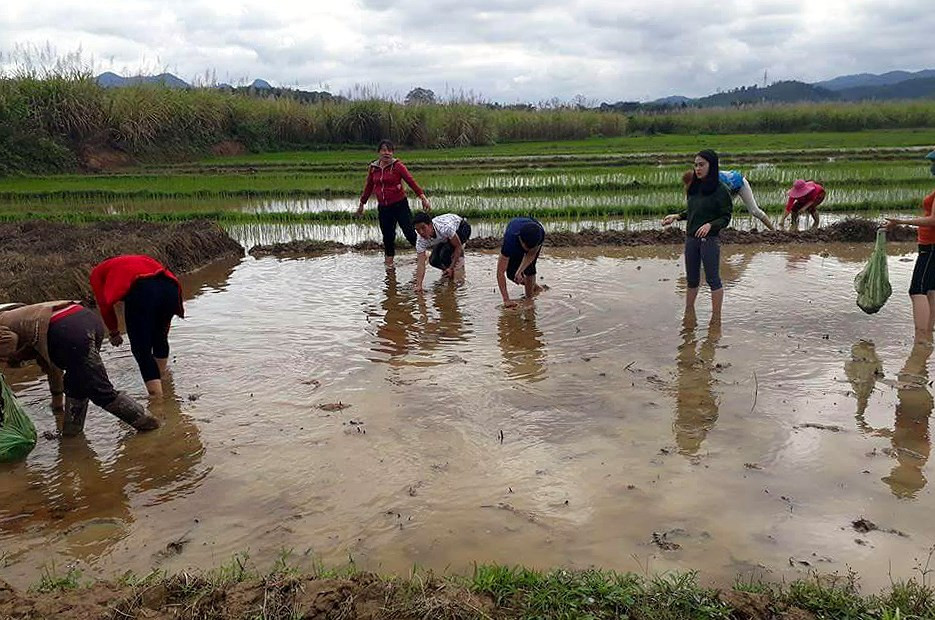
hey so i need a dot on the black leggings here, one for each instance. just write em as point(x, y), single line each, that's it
point(390, 215)
point(75, 347)
point(707, 251)
point(148, 310)
point(441, 255)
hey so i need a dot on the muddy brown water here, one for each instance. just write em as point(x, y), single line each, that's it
point(592, 428)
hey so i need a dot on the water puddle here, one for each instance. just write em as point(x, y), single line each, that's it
point(320, 405)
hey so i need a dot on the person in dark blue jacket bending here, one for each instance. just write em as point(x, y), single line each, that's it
point(519, 252)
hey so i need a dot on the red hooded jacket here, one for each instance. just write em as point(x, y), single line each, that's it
point(112, 279)
point(387, 183)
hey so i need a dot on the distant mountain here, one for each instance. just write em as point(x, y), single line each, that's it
point(780, 92)
point(871, 79)
point(673, 100)
point(112, 80)
point(261, 84)
point(919, 88)
point(859, 87)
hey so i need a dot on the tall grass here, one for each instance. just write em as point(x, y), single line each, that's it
point(787, 118)
point(52, 114)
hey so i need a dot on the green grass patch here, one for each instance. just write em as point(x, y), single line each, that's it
point(54, 581)
point(240, 589)
point(465, 181)
point(662, 143)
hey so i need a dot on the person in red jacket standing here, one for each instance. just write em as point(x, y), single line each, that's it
point(151, 296)
point(385, 179)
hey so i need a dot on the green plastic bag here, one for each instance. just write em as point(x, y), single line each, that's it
point(873, 283)
point(17, 433)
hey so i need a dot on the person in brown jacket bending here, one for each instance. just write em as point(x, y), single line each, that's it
point(65, 339)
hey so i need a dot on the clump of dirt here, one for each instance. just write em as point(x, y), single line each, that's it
point(851, 230)
point(103, 158)
point(864, 525)
point(338, 406)
point(754, 606)
point(42, 260)
point(298, 248)
point(228, 148)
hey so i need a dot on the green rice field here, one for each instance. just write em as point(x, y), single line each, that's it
point(622, 178)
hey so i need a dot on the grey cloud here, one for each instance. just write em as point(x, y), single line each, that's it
point(509, 50)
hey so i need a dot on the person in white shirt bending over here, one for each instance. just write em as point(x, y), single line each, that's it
point(445, 235)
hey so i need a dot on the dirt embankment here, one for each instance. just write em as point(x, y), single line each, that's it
point(42, 261)
point(362, 596)
point(852, 230)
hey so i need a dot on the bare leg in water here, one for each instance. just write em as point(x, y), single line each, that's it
point(923, 317)
point(717, 301)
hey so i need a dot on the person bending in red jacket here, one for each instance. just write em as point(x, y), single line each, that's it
point(804, 197)
point(151, 296)
point(385, 179)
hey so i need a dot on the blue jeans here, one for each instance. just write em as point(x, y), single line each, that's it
point(706, 251)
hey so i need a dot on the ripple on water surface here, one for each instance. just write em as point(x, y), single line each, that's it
point(321, 403)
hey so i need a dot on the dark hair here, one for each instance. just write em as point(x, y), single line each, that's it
point(710, 183)
point(388, 144)
point(421, 218)
point(531, 234)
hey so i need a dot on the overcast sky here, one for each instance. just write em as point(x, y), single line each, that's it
point(501, 50)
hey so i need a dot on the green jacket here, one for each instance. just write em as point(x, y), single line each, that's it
point(715, 208)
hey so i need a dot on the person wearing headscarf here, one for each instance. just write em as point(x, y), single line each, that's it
point(738, 185)
point(708, 211)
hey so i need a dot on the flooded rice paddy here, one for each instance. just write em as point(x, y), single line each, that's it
point(591, 428)
point(258, 233)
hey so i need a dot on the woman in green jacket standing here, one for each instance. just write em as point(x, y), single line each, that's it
point(708, 211)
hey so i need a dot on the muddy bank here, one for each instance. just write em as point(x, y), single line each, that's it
point(42, 260)
point(853, 230)
point(280, 596)
point(513, 593)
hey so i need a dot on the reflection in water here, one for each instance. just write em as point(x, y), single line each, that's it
point(696, 408)
point(914, 404)
point(84, 499)
point(169, 464)
point(863, 370)
point(410, 326)
point(213, 278)
point(394, 335)
point(448, 327)
point(521, 343)
point(76, 494)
